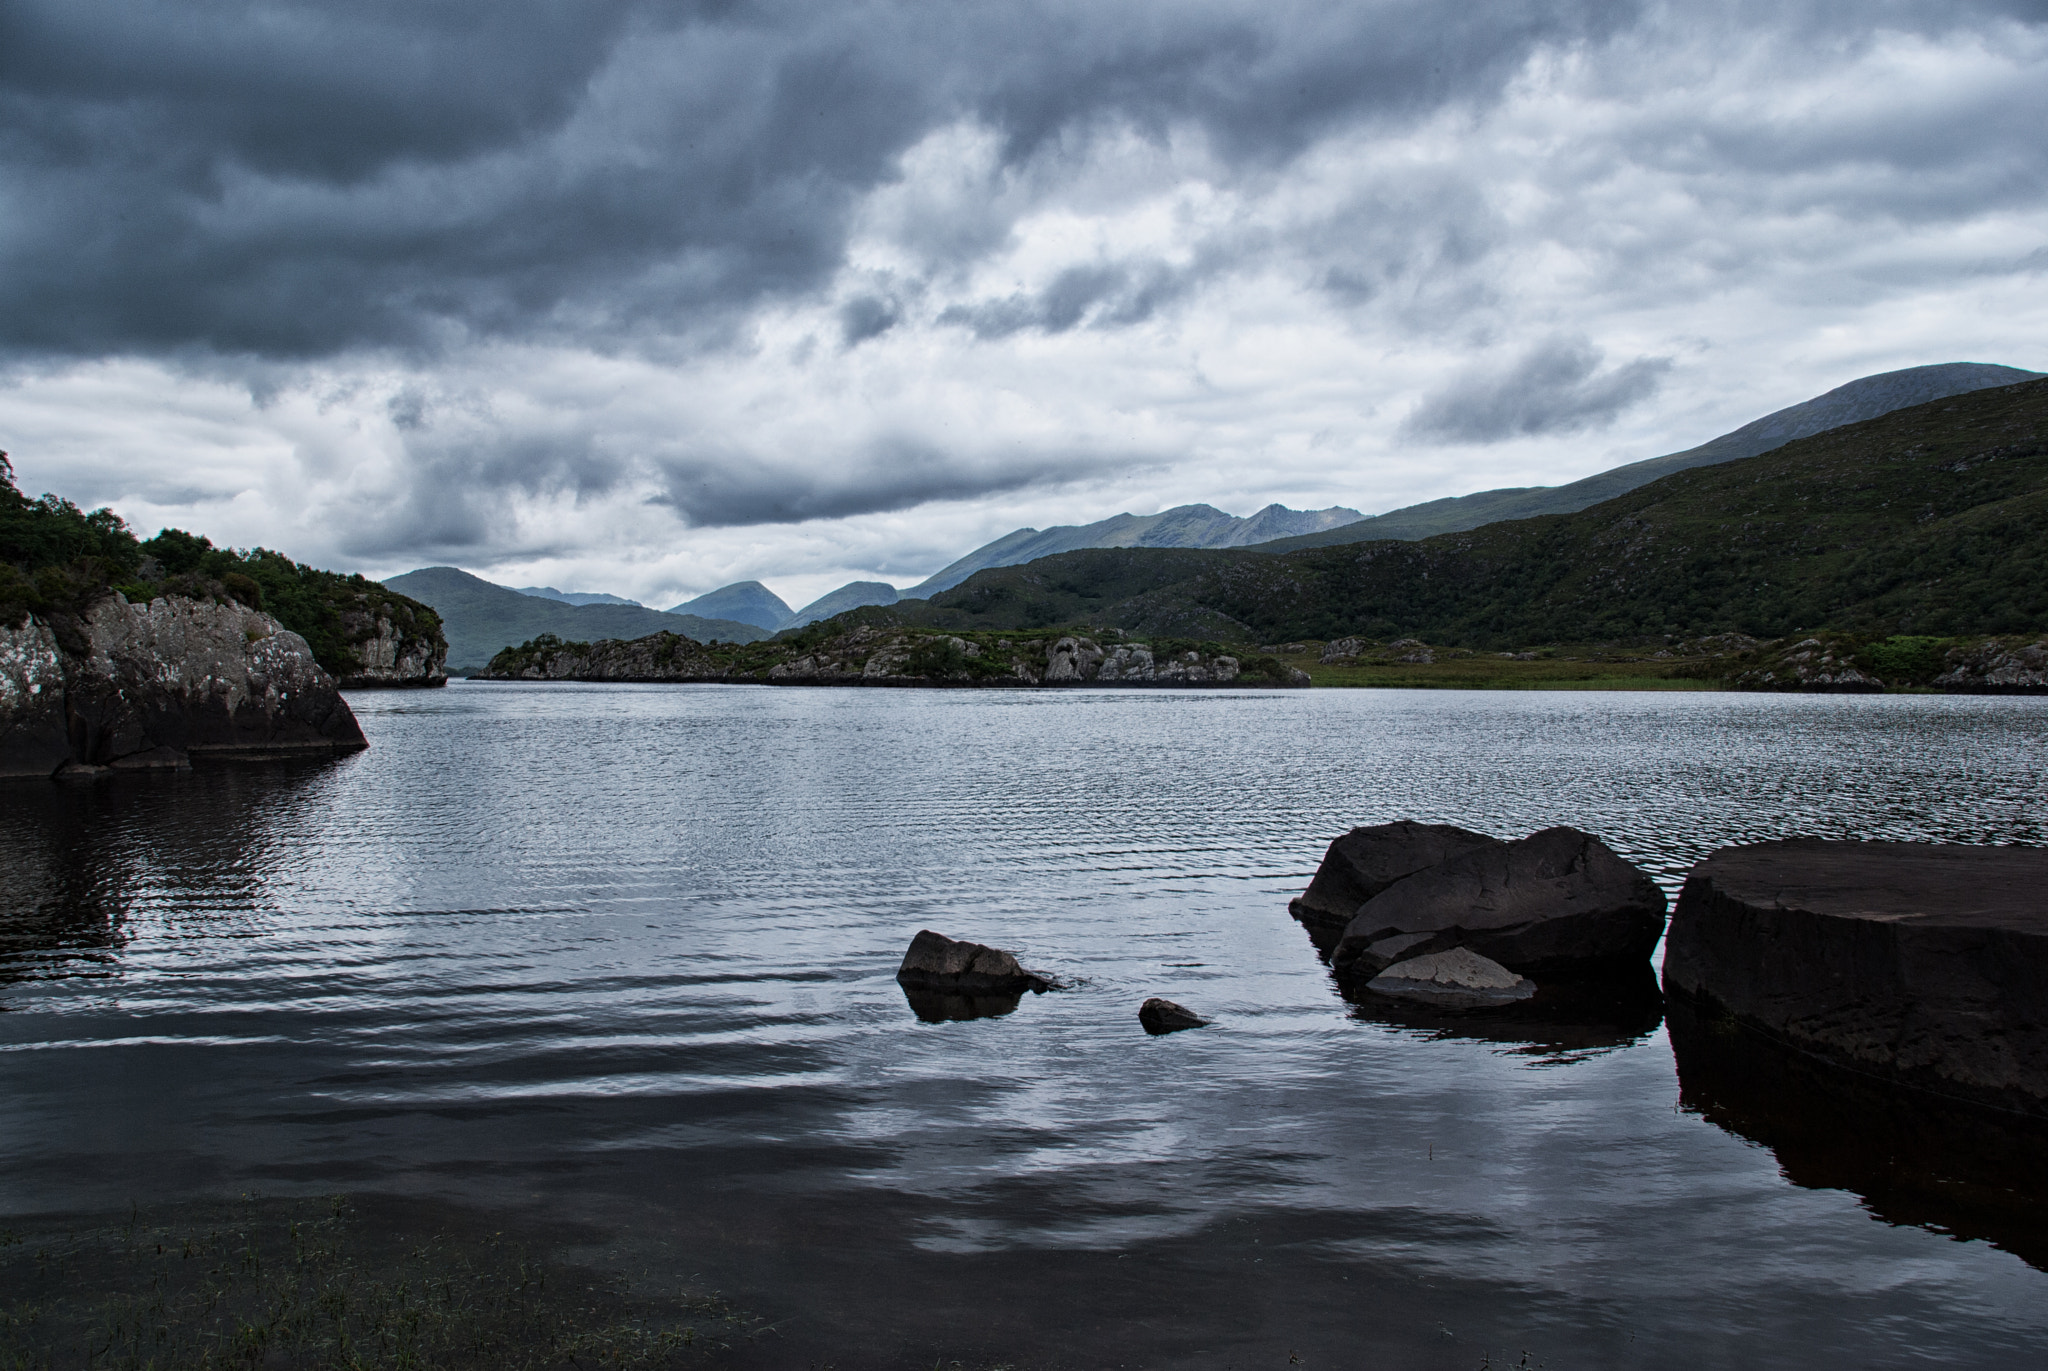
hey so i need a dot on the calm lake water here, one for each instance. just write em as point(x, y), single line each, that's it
point(619, 960)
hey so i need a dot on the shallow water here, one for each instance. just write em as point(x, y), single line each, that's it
point(622, 957)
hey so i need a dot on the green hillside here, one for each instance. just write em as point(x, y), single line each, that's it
point(481, 617)
point(1866, 397)
point(1928, 520)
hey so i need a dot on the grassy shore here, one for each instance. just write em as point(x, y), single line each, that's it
point(317, 1284)
point(1491, 671)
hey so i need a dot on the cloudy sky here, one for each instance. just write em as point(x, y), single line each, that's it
point(649, 296)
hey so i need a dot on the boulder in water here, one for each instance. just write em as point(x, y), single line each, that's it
point(937, 962)
point(1558, 901)
point(1164, 1016)
point(1921, 964)
point(1365, 861)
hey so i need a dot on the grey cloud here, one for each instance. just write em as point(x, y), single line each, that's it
point(866, 317)
point(1103, 296)
point(298, 179)
point(1554, 387)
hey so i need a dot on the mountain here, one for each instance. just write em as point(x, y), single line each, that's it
point(852, 595)
point(1182, 526)
point(1865, 398)
point(1930, 520)
point(480, 617)
point(575, 597)
point(749, 602)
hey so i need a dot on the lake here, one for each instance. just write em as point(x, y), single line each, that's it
point(613, 966)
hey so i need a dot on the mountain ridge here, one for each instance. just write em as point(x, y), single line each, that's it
point(1931, 519)
point(1196, 525)
point(1866, 397)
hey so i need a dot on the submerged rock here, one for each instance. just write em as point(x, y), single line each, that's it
point(148, 686)
point(1164, 1016)
point(1921, 964)
point(939, 963)
point(1457, 978)
point(1558, 900)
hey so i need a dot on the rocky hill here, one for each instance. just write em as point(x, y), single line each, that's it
point(119, 654)
point(58, 561)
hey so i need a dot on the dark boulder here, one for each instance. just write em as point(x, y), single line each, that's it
point(1458, 978)
point(1367, 860)
point(1924, 965)
point(1164, 1016)
point(1558, 902)
point(937, 962)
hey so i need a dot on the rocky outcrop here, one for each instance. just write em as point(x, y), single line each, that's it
point(935, 962)
point(1365, 861)
point(391, 649)
point(1456, 978)
point(1809, 665)
point(1159, 1016)
point(1924, 965)
point(1558, 902)
point(657, 657)
point(1996, 667)
point(152, 685)
point(1076, 660)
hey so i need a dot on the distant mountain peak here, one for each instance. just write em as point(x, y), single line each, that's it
point(1197, 525)
point(749, 602)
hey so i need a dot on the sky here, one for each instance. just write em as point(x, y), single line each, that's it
point(647, 296)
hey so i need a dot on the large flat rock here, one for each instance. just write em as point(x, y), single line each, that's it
point(1922, 964)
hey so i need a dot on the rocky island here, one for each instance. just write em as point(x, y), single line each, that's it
point(119, 654)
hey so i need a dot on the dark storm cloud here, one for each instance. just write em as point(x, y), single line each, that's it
point(1554, 387)
point(296, 179)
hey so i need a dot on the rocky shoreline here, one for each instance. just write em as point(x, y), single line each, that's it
point(867, 655)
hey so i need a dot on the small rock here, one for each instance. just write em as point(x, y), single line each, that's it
point(1458, 978)
point(937, 962)
point(1164, 1016)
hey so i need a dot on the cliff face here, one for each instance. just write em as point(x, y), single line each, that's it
point(390, 652)
point(132, 687)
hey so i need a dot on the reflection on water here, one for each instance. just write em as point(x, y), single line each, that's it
point(626, 956)
point(80, 856)
point(1942, 1165)
point(938, 1006)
